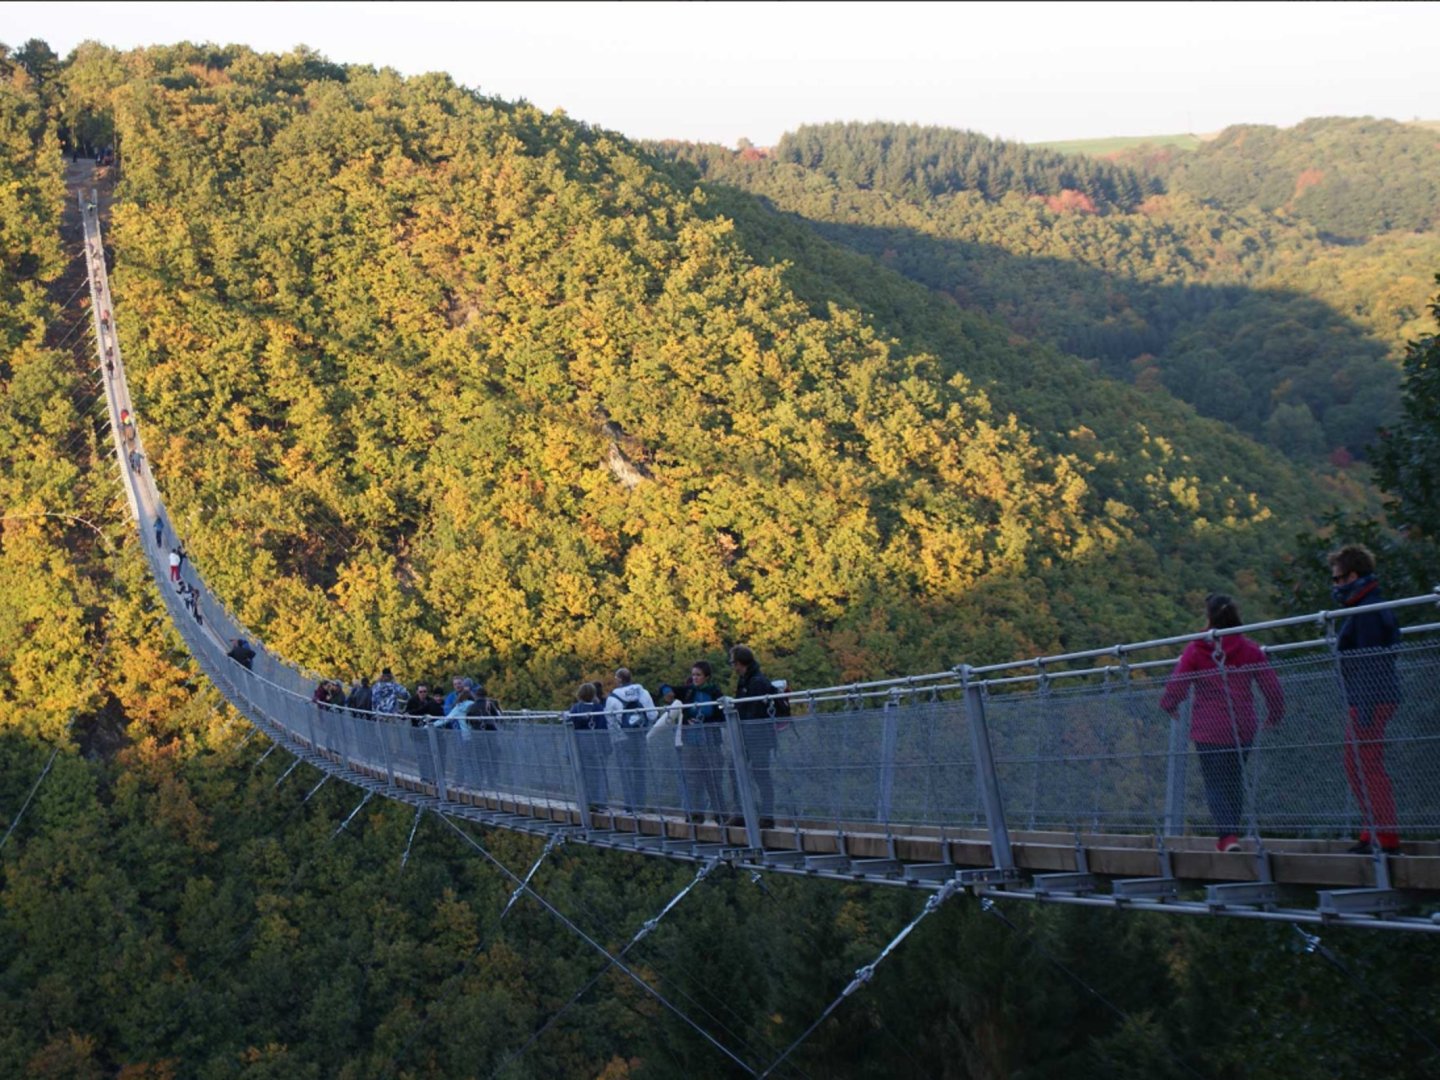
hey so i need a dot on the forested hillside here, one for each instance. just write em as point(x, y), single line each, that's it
point(1349, 177)
point(1253, 317)
point(443, 382)
point(916, 161)
point(438, 377)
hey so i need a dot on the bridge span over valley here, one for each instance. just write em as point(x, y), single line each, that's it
point(1055, 779)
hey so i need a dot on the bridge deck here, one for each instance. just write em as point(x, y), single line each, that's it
point(1037, 790)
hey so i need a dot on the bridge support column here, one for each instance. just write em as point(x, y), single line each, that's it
point(888, 736)
point(577, 769)
point(742, 773)
point(987, 780)
point(1176, 758)
point(385, 750)
point(434, 740)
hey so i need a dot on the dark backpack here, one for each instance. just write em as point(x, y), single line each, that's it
point(780, 710)
point(632, 714)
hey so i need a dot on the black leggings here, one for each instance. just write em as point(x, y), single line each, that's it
point(1222, 768)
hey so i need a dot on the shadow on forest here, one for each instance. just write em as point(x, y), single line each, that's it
point(1233, 352)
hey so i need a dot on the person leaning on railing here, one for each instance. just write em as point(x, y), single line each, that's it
point(757, 727)
point(1222, 718)
point(701, 742)
point(1366, 643)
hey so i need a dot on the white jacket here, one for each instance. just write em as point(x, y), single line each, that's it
point(631, 698)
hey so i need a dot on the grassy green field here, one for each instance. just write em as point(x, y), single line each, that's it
point(1099, 147)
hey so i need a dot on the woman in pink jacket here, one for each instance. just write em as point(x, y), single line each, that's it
point(1222, 720)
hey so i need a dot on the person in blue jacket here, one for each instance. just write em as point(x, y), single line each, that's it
point(592, 737)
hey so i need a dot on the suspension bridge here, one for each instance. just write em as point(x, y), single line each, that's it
point(1055, 779)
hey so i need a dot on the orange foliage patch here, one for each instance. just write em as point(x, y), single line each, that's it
point(1070, 201)
point(1307, 179)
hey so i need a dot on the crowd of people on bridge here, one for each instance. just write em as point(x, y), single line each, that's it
point(686, 717)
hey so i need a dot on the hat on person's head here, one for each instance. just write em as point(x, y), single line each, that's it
point(666, 688)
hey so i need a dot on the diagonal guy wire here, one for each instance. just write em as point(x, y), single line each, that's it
point(618, 963)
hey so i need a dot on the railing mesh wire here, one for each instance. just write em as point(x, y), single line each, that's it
point(1095, 754)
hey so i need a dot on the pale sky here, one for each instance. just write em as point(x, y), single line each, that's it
point(718, 72)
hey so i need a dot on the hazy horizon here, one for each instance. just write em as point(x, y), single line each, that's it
point(723, 72)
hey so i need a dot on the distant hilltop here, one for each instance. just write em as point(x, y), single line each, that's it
point(1113, 144)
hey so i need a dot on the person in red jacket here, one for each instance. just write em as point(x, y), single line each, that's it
point(1220, 672)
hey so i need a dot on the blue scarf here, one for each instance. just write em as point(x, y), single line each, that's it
point(1344, 593)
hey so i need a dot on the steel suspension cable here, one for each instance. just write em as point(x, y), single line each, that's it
point(551, 843)
point(751, 1038)
point(638, 936)
point(1313, 944)
point(988, 905)
point(49, 762)
point(588, 940)
point(864, 974)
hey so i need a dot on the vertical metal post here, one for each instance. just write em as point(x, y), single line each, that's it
point(1175, 770)
point(310, 725)
point(577, 768)
point(986, 778)
point(338, 725)
point(434, 741)
point(384, 749)
point(742, 773)
point(889, 735)
point(1042, 742)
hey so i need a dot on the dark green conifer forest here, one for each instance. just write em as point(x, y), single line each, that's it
point(446, 383)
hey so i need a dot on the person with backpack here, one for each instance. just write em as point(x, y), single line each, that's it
point(629, 710)
point(701, 741)
point(587, 717)
point(486, 710)
point(242, 653)
point(484, 718)
point(756, 705)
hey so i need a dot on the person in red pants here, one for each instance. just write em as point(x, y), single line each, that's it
point(1366, 642)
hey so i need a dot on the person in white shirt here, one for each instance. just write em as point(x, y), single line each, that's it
point(630, 710)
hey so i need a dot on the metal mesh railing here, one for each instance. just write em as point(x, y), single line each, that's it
point(1045, 744)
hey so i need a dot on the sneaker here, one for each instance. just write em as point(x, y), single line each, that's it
point(1228, 842)
point(1365, 847)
